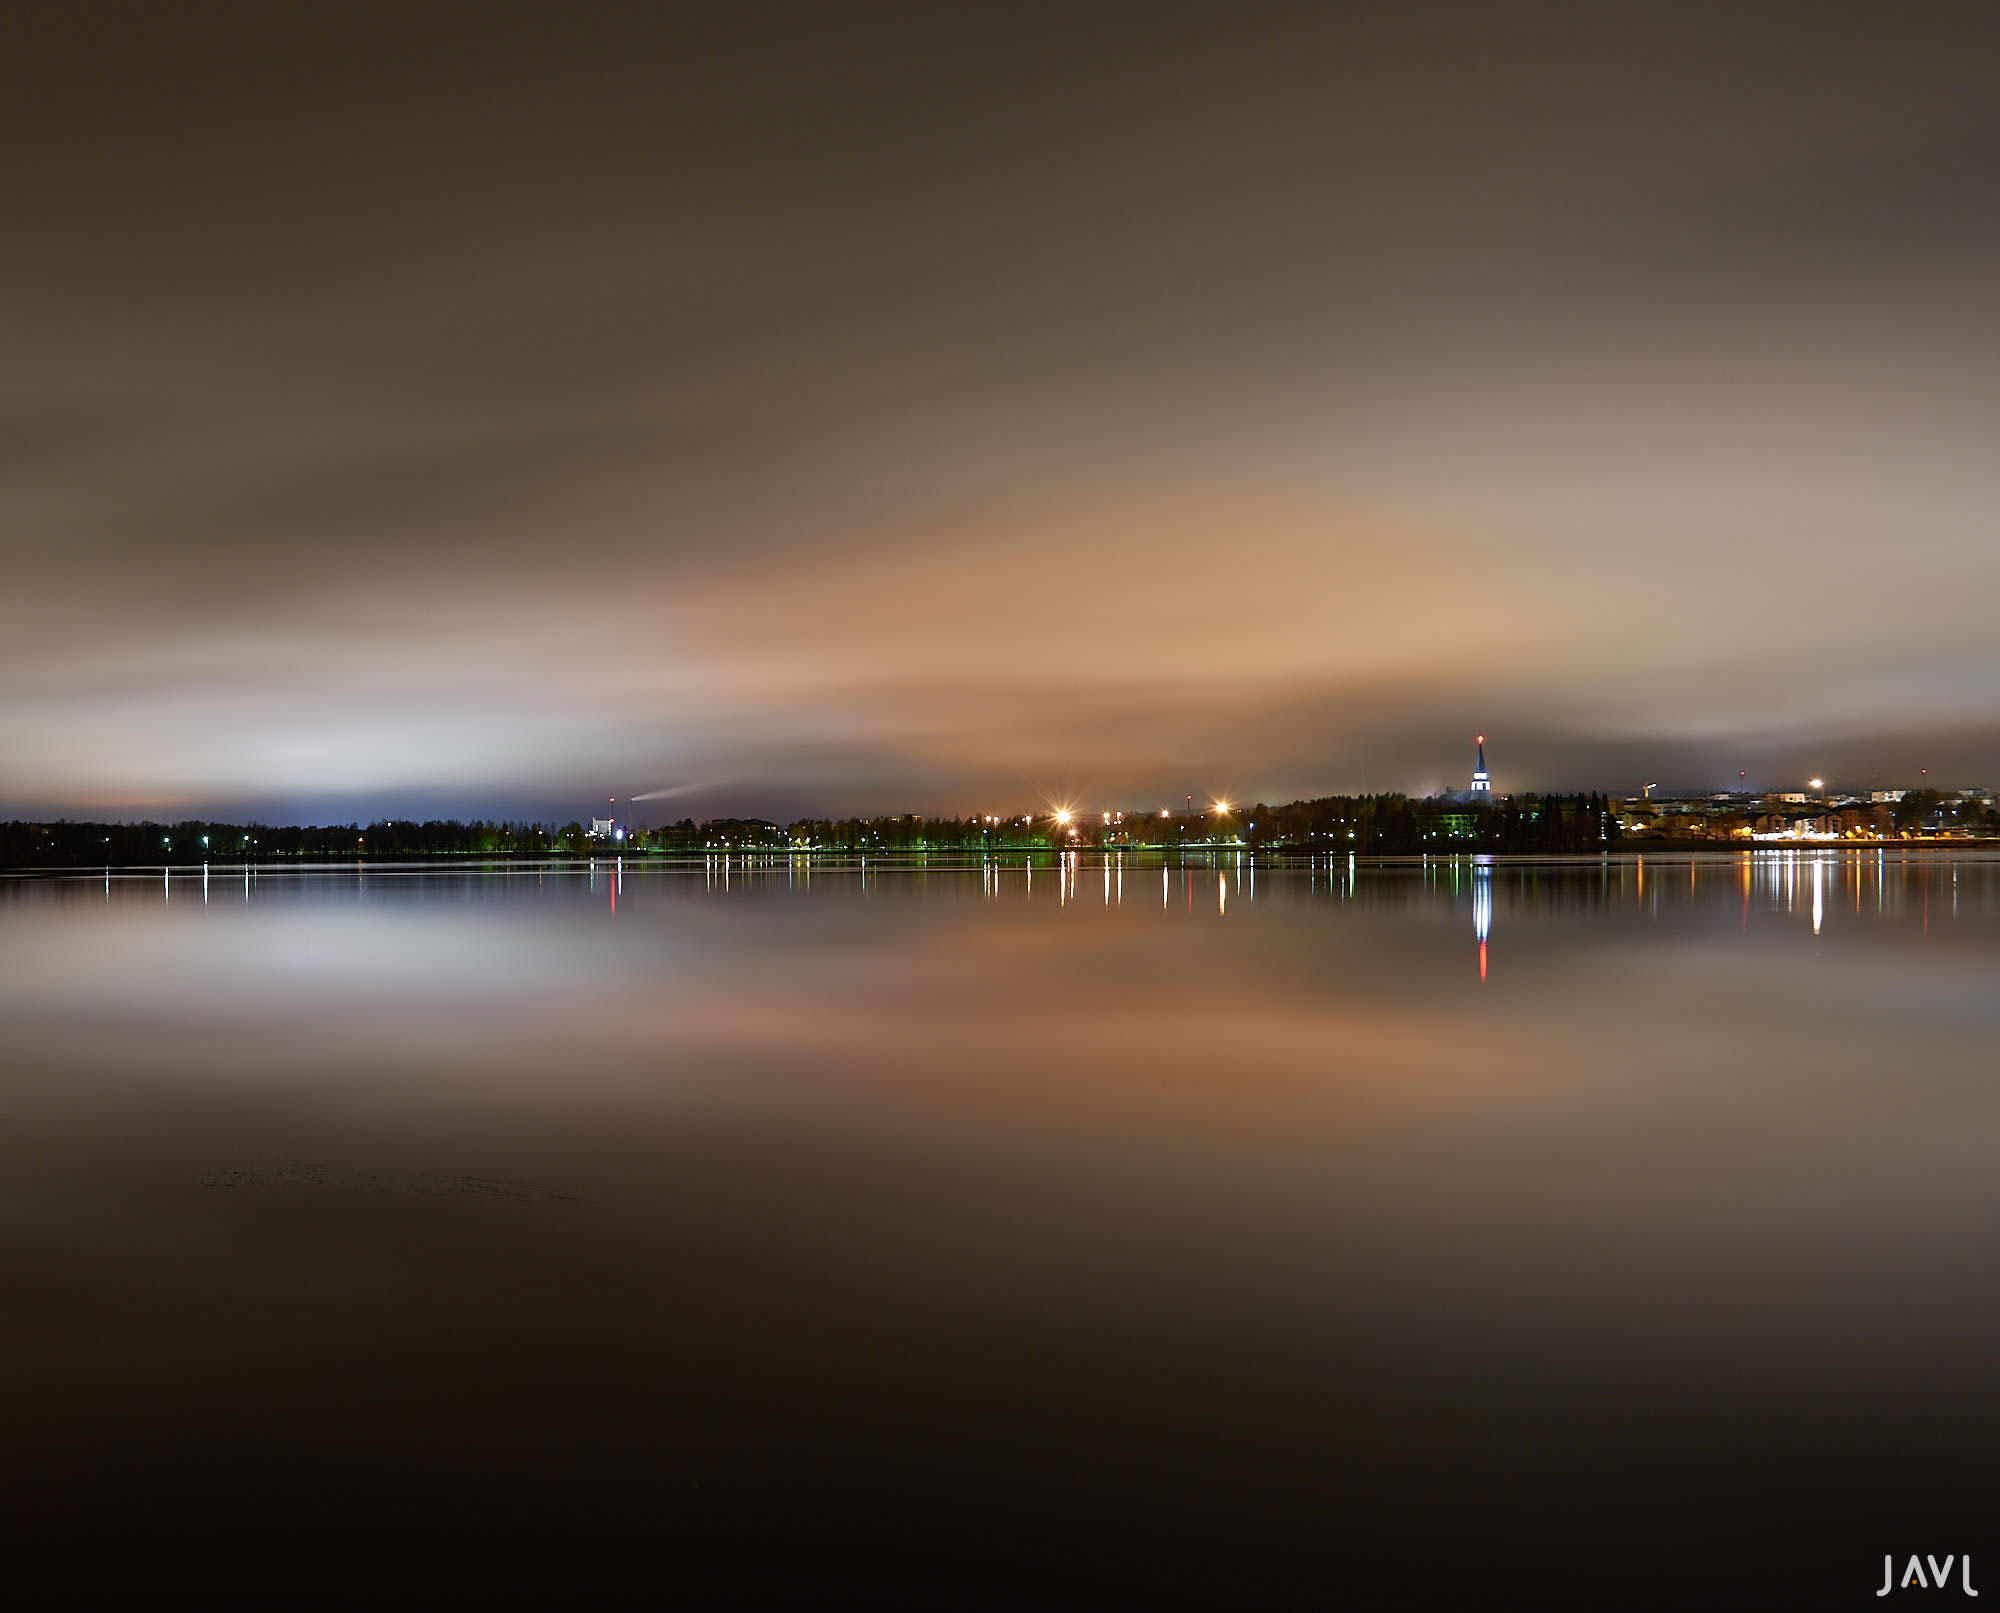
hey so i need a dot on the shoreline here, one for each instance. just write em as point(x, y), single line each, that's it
point(1205, 855)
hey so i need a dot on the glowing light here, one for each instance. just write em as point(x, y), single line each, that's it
point(1222, 806)
point(1063, 816)
point(1817, 783)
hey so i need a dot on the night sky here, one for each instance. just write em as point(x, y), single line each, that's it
point(948, 408)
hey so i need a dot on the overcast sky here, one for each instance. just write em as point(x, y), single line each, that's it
point(952, 407)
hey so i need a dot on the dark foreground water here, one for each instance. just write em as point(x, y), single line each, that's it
point(1568, 1231)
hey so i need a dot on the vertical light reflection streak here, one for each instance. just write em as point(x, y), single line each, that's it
point(1482, 911)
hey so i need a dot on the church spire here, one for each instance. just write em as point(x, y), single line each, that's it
point(1481, 784)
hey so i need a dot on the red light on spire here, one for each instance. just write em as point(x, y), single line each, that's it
point(1479, 739)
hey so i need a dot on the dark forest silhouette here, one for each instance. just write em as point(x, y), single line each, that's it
point(1373, 824)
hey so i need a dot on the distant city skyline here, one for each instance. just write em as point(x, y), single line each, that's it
point(785, 801)
point(659, 808)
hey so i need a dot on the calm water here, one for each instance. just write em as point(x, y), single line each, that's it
point(1297, 1228)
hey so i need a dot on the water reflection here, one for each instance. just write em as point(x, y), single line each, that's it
point(823, 1192)
point(1814, 886)
point(1482, 908)
point(1808, 883)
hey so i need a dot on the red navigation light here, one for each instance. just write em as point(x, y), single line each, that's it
point(1479, 739)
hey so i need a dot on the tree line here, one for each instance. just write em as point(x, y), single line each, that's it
point(1330, 825)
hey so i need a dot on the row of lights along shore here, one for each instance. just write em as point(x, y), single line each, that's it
point(1065, 817)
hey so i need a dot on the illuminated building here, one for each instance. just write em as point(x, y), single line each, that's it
point(1482, 786)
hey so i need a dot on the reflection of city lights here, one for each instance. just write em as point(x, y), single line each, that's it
point(1482, 911)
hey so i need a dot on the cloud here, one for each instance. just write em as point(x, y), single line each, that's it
point(673, 792)
point(876, 412)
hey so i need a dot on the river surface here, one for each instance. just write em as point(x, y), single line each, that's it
point(1386, 1227)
